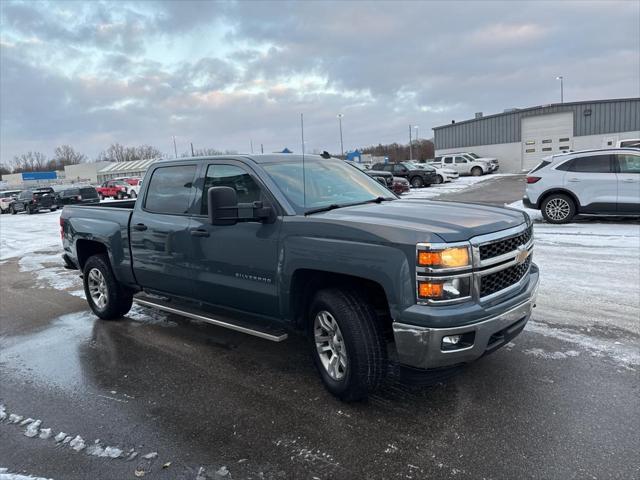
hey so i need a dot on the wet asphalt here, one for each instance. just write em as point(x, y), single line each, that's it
point(218, 404)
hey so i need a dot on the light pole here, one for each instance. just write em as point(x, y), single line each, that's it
point(417, 144)
point(410, 144)
point(340, 115)
point(561, 78)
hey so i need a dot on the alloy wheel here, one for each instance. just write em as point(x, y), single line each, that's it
point(98, 288)
point(557, 209)
point(330, 345)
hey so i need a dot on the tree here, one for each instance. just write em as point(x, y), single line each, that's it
point(208, 152)
point(119, 153)
point(66, 155)
point(422, 150)
point(30, 162)
point(4, 170)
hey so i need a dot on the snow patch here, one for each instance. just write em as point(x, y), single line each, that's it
point(5, 475)
point(150, 455)
point(60, 437)
point(45, 433)
point(540, 353)
point(77, 443)
point(13, 418)
point(3, 412)
point(23, 234)
point(32, 430)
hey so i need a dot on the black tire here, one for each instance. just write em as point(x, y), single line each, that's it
point(12, 209)
point(558, 208)
point(417, 182)
point(439, 179)
point(29, 210)
point(53, 209)
point(119, 195)
point(133, 194)
point(118, 298)
point(476, 171)
point(101, 196)
point(364, 343)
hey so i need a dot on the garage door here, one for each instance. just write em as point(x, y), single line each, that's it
point(544, 135)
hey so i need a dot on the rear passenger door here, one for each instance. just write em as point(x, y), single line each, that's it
point(593, 181)
point(160, 238)
point(628, 178)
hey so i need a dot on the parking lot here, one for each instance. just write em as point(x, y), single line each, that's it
point(159, 396)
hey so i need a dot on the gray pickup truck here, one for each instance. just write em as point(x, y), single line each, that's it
point(270, 244)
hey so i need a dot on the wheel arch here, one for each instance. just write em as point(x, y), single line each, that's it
point(87, 248)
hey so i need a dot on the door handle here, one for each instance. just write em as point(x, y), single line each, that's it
point(141, 227)
point(199, 233)
point(628, 180)
point(573, 179)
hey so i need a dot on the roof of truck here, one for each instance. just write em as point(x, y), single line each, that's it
point(257, 158)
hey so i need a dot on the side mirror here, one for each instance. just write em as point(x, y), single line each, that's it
point(224, 208)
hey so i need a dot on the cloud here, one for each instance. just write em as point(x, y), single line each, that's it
point(223, 73)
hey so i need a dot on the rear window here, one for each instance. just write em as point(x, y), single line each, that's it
point(170, 189)
point(540, 166)
point(70, 192)
point(593, 164)
point(88, 192)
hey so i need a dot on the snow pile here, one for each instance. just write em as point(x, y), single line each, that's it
point(432, 191)
point(22, 234)
point(5, 475)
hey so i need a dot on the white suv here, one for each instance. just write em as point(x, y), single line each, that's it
point(590, 182)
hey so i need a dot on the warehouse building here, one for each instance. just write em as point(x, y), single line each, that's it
point(520, 138)
point(134, 168)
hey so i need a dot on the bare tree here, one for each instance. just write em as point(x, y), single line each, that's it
point(208, 152)
point(4, 170)
point(119, 153)
point(66, 155)
point(30, 162)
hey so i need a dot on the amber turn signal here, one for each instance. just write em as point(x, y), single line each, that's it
point(447, 258)
point(430, 290)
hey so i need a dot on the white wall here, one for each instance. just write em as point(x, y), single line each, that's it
point(84, 172)
point(508, 154)
point(13, 179)
point(600, 141)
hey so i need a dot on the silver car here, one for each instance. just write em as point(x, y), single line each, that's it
point(589, 182)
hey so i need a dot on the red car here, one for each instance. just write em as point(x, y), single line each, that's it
point(113, 188)
point(400, 185)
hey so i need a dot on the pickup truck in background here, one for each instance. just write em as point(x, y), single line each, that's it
point(118, 189)
point(372, 280)
point(462, 164)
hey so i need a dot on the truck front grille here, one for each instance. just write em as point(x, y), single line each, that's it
point(494, 282)
point(495, 249)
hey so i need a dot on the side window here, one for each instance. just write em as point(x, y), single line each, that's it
point(593, 164)
point(461, 160)
point(231, 176)
point(170, 189)
point(629, 163)
point(448, 160)
point(388, 167)
point(399, 168)
point(566, 166)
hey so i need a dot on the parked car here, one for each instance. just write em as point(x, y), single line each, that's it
point(589, 182)
point(400, 185)
point(118, 189)
point(443, 175)
point(462, 164)
point(134, 185)
point(76, 194)
point(493, 162)
point(374, 281)
point(34, 200)
point(385, 178)
point(6, 199)
point(417, 177)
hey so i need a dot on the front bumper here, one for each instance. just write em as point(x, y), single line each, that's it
point(421, 347)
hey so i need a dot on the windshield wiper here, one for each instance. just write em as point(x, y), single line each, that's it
point(333, 206)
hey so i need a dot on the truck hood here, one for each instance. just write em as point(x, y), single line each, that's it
point(451, 221)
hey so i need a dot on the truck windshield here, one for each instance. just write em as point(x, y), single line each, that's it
point(328, 183)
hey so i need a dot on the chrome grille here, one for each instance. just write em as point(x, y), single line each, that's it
point(494, 282)
point(500, 247)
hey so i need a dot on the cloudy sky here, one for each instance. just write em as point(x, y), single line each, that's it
point(222, 74)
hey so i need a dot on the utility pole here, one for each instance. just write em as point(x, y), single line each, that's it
point(561, 78)
point(410, 147)
point(261, 148)
point(175, 148)
point(192, 154)
point(341, 143)
point(251, 140)
point(417, 143)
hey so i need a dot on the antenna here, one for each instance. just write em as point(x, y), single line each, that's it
point(304, 178)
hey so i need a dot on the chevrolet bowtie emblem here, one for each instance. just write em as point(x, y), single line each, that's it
point(522, 255)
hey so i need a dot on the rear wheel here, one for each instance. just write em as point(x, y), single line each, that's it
point(12, 209)
point(476, 171)
point(120, 195)
point(347, 342)
point(29, 210)
point(558, 208)
point(133, 194)
point(107, 298)
point(417, 182)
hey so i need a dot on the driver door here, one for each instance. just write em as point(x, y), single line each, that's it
point(235, 266)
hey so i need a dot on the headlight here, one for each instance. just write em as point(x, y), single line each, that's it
point(454, 257)
point(435, 289)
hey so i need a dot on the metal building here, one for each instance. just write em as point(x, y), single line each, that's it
point(519, 138)
point(134, 168)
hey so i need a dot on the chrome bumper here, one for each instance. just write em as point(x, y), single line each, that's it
point(421, 347)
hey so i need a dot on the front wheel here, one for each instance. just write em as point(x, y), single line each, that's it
point(12, 209)
point(476, 171)
point(29, 211)
point(120, 195)
point(417, 182)
point(133, 194)
point(347, 342)
point(558, 208)
point(107, 298)
point(101, 197)
point(439, 179)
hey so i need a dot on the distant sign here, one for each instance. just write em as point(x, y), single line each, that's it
point(39, 176)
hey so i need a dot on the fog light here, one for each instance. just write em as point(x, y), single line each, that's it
point(451, 340)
